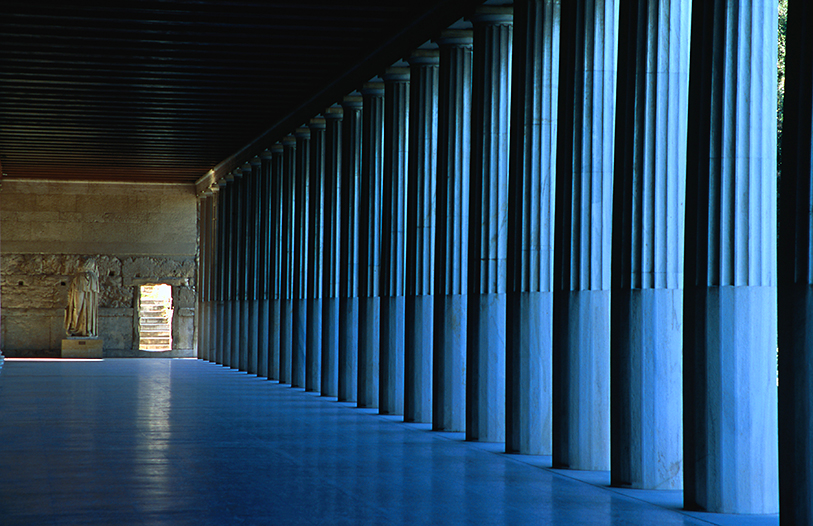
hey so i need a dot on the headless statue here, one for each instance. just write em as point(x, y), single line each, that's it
point(82, 313)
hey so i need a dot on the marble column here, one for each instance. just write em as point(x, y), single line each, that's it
point(299, 320)
point(240, 314)
point(452, 226)
point(420, 235)
point(796, 274)
point(235, 267)
point(647, 264)
point(330, 254)
point(212, 326)
point(369, 241)
point(204, 201)
point(313, 292)
point(581, 310)
point(393, 217)
point(286, 260)
point(531, 191)
point(222, 262)
point(488, 223)
point(251, 268)
point(263, 264)
point(352, 108)
point(730, 317)
point(275, 253)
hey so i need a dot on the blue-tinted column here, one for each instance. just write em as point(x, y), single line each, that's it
point(275, 261)
point(263, 265)
point(393, 217)
point(299, 319)
point(251, 268)
point(349, 247)
point(647, 266)
point(730, 319)
point(532, 186)
point(221, 287)
point(286, 293)
point(314, 257)
point(581, 310)
point(242, 271)
point(796, 274)
point(488, 224)
point(420, 235)
point(330, 260)
point(452, 226)
point(237, 265)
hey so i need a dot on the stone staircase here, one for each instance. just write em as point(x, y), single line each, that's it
point(155, 326)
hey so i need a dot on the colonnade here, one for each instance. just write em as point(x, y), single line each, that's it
point(554, 226)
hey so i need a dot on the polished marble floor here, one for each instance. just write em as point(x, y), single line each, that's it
point(177, 442)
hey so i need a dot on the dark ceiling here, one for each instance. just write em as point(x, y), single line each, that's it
point(165, 90)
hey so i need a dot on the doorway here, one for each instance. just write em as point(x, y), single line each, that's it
point(155, 318)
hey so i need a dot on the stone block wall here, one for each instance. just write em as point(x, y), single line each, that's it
point(140, 234)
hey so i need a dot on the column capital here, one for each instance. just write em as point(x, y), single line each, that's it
point(302, 133)
point(396, 74)
point(317, 123)
point(334, 112)
point(289, 141)
point(237, 173)
point(214, 188)
point(353, 101)
point(456, 38)
point(255, 161)
point(276, 149)
point(493, 15)
point(246, 167)
point(421, 57)
point(375, 88)
point(267, 154)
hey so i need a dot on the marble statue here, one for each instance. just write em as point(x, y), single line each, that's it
point(82, 313)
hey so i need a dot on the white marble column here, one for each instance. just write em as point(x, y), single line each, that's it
point(314, 256)
point(488, 223)
point(369, 239)
point(330, 253)
point(299, 321)
point(452, 223)
point(730, 320)
point(531, 191)
point(393, 216)
point(796, 274)
point(647, 267)
point(420, 235)
point(211, 327)
point(349, 247)
point(286, 258)
point(204, 235)
point(581, 310)
point(276, 251)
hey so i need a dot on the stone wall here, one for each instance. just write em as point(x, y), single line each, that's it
point(140, 234)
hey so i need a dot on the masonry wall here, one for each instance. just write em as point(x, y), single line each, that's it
point(139, 233)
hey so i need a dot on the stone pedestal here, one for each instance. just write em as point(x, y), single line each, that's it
point(82, 347)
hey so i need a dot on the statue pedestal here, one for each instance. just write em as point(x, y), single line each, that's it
point(79, 347)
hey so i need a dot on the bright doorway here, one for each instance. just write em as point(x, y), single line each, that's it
point(155, 318)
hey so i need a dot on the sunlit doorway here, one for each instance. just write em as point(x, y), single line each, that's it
point(155, 318)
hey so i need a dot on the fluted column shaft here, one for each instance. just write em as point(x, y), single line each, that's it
point(252, 260)
point(796, 274)
point(286, 259)
point(236, 268)
point(531, 191)
point(211, 327)
point(349, 248)
point(581, 333)
point(204, 235)
point(264, 266)
point(370, 195)
point(393, 217)
point(730, 324)
point(451, 241)
point(313, 292)
point(330, 254)
point(300, 257)
point(647, 266)
point(276, 251)
point(488, 224)
point(223, 254)
point(420, 235)
point(240, 314)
